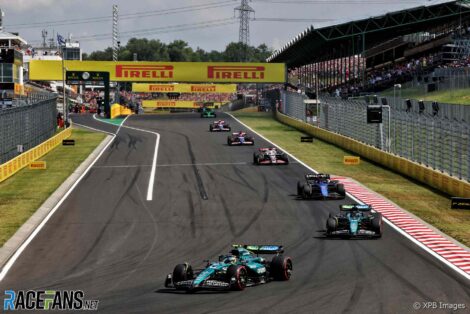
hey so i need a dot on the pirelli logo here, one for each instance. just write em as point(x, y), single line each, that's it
point(236, 72)
point(161, 88)
point(203, 89)
point(166, 104)
point(144, 71)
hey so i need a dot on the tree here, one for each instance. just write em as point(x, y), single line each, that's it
point(178, 50)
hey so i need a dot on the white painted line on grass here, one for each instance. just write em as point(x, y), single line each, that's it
point(398, 229)
point(89, 127)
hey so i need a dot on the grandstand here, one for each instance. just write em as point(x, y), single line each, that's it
point(373, 54)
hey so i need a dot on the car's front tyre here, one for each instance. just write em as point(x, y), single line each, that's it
point(237, 277)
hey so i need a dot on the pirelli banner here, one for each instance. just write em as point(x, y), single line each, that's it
point(202, 72)
point(185, 88)
point(180, 104)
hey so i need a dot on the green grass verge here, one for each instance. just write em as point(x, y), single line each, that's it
point(457, 96)
point(24, 192)
point(427, 203)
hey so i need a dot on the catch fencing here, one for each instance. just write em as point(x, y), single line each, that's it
point(437, 137)
point(30, 122)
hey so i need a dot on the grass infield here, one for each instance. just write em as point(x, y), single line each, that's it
point(22, 194)
point(429, 204)
point(457, 96)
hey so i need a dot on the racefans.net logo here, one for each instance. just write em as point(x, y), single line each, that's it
point(63, 300)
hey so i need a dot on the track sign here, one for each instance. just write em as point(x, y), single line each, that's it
point(68, 142)
point(306, 139)
point(460, 203)
point(374, 114)
point(38, 165)
point(352, 160)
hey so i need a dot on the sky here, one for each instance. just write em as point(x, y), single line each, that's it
point(208, 24)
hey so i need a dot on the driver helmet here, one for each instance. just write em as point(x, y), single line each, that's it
point(230, 259)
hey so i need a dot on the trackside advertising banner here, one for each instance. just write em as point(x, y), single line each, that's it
point(174, 104)
point(185, 88)
point(203, 72)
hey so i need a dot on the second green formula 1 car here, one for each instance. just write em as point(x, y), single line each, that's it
point(208, 113)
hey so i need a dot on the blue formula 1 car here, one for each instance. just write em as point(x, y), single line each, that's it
point(240, 138)
point(355, 221)
point(319, 186)
point(241, 268)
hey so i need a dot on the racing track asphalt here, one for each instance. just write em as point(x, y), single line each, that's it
point(106, 240)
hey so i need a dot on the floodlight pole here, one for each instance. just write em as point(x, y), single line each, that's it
point(64, 104)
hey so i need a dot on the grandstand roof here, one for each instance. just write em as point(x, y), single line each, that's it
point(9, 36)
point(313, 45)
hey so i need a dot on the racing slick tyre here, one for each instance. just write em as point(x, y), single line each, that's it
point(229, 141)
point(210, 127)
point(306, 191)
point(237, 277)
point(377, 224)
point(252, 140)
point(182, 272)
point(229, 128)
point(300, 188)
point(284, 156)
point(255, 159)
point(340, 189)
point(331, 225)
point(281, 268)
point(215, 115)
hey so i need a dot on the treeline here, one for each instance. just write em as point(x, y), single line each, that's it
point(178, 50)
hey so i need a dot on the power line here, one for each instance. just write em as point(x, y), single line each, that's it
point(159, 30)
point(341, 1)
point(268, 19)
point(145, 14)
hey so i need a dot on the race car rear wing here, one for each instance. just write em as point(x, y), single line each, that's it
point(355, 207)
point(262, 249)
point(319, 176)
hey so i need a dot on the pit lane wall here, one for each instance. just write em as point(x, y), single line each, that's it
point(16, 164)
point(441, 181)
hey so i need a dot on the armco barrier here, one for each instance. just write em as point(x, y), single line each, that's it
point(16, 164)
point(441, 181)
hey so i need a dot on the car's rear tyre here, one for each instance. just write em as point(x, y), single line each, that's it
point(307, 191)
point(255, 158)
point(281, 268)
point(210, 128)
point(182, 272)
point(331, 225)
point(229, 141)
point(377, 224)
point(300, 188)
point(341, 190)
point(229, 128)
point(239, 274)
point(215, 115)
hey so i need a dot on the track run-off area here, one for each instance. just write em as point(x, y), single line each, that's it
point(167, 191)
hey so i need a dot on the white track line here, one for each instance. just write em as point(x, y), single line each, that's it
point(20, 250)
point(398, 229)
point(155, 154)
point(89, 127)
